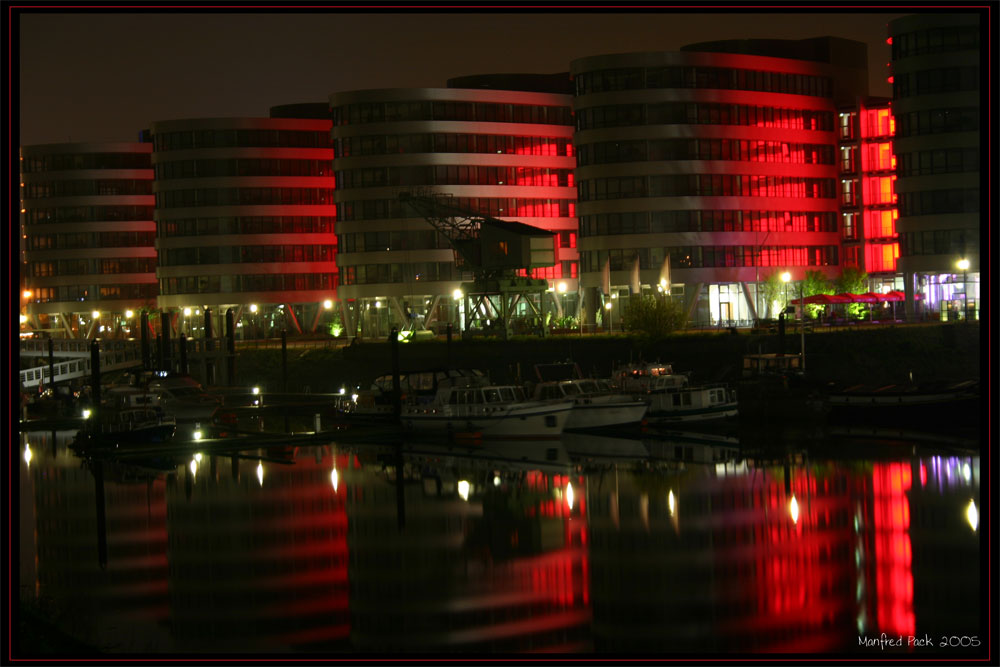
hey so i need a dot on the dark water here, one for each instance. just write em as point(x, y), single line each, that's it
point(665, 547)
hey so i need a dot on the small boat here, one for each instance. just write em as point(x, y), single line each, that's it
point(464, 405)
point(671, 396)
point(185, 398)
point(936, 404)
point(595, 403)
point(130, 417)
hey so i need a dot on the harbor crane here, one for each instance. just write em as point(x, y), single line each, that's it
point(495, 252)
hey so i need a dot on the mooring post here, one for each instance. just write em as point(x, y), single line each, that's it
point(182, 342)
point(165, 341)
point(95, 380)
point(449, 347)
point(144, 339)
point(230, 349)
point(52, 364)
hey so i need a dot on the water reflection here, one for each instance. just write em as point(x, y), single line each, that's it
point(592, 544)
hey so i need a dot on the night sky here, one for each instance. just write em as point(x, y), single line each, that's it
point(103, 77)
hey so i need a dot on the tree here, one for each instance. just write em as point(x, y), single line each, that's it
point(653, 316)
point(854, 281)
point(816, 282)
point(773, 290)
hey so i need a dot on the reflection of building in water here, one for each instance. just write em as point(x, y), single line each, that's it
point(116, 607)
point(947, 599)
point(258, 559)
point(701, 561)
point(503, 571)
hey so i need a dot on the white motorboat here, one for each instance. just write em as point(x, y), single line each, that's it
point(494, 411)
point(595, 403)
point(671, 396)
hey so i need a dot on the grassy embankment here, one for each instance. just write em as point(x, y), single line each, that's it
point(882, 355)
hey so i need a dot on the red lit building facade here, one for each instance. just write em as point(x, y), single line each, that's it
point(245, 219)
point(89, 261)
point(867, 191)
point(716, 165)
point(500, 145)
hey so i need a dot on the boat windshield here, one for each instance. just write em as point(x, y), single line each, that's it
point(507, 393)
point(588, 387)
point(570, 388)
point(492, 394)
point(604, 386)
point(518, 394)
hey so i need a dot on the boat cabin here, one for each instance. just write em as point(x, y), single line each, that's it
point(485, 395)
point(755, 365)
point(547, 391)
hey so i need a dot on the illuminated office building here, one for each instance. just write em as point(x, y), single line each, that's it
point(245, 219)
point(707, 170)
point(936, 104)
point(89, 260)
point(500, 145)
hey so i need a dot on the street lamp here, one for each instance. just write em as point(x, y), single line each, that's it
point(963, 265)
point(785, 277)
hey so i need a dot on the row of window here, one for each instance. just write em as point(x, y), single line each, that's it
point(81, 267)
point(943, 161)
point(705, 185)
point(931, 202)
point(744, 150)
point(634, 78)
point(955, 242)
point(367, 274)
point(242, 167)
point(878, 224)
point(934, 121)
point(659, 222)
point(454, 175)
point(88, 188)
point(379, 241)
point(72, 161)
point(87, 214)
point(392, 144)
point(247, 254)
point(380, 209)
point(90, 240)
point(935, 40)
point(249, 283)
point(82, 292)
point(933, 81)
point(172, 141)
point(264, 224)
point(698, 257)
point(483, 112)
point(243, 197)
point(702, 113)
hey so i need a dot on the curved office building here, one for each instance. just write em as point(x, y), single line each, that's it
point(245, 218)
point(936, 102)
point(87, 212)
point(496, 144)
point(712, 168)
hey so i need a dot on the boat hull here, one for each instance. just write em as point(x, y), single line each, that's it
point(536, 422)
point(600, 415)
point(693, 414)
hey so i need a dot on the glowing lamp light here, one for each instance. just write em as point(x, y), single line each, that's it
point(24, 318)
point(561, 287)
point(27, 454)
point(354, 397)
point(785, 277)
point(253, 307)
point(463, 489)
point(972, 515)
point(86, 414)
point(129, 314)
point(793, 509)
point(193, 467)
point(614, 295)
point(671, 502)
point(966, 472)
point(256, 390)
point(260, 472)
point(963, 265)
point(378, 304)
point(197, 436)
point(198, 457)
point(342, 391)
point(663, 283)
point(569, 495)
point(334, 479)
point(187, 312)
point(496, 480)
point(457, 295)
point(95, 314)
point(328, 304)
point(27, 294)
point(608, 305)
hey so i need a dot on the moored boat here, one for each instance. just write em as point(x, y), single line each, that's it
point(495, 411)
point(595, 404)
point(671, 396)
point(130, 416)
